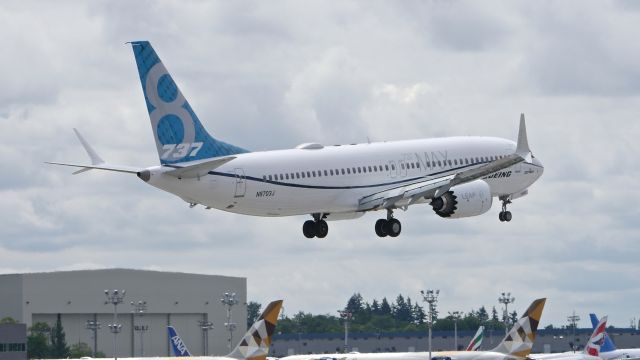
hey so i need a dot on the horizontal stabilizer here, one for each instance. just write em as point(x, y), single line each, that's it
point(103, 166)
point(199, 168)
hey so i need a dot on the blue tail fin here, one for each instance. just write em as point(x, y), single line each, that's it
point(608, 344)
point(179, 135)
point(178, 348)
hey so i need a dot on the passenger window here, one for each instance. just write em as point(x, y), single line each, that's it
point(393, 167)
point(359, 170)
point(286, 176)
point(308, 174)
point(319, 173)
point(439, 163)
point(325, 173)
point(270, 178)
point(302, 174)
point(428, 164)
point(449, 161)
point(402, 166)
point(386, 167)
point(342, 171)
point(348, 171)
point(369, 168)
point(331, 172)
point(297, 175)
point(417, 165)
point(455, 162)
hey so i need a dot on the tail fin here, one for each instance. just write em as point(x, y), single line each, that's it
point(255, 343)
point(608, 343)
point(178, 348)
point(476, 340)
point(519, 340)
point(179, 135)
point(596, 340)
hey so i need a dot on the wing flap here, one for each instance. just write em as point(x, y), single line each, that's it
point(198, 168)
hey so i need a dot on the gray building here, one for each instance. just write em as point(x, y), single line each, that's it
point(178, 299)
point(13, 341)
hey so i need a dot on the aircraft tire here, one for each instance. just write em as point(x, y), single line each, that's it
point(501, 216)
point(393, 227)
point(321, 229)
point(309, 229)
point(507, 216)
point(380, 225)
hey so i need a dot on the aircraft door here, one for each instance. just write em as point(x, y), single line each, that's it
point(393, 172)
point(241, 183)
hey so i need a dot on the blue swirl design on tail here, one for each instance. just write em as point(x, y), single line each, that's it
point(179, 134)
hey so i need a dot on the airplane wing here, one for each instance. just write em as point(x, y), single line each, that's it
point(405, 195)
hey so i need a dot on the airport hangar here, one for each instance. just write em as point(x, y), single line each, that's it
point(178, 299)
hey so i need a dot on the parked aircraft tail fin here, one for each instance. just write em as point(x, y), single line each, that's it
point(519, 340)
point(608, 344)
point(596, 340)
point(476, 340)
point(255, 343)
point(179, 134)
point(178, 347)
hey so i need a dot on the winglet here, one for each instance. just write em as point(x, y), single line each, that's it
point(95, 158)
point(522, 148)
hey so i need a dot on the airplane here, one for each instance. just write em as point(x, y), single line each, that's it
point(457, 176)
point(591, 350)
point(178, 347)
point(516, 345)
point(476, 340)
point(608, 350)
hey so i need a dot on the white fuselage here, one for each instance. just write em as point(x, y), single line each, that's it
point(439, 355)
point(332, 179)
point(620, 354)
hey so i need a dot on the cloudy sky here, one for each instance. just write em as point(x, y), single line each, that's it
point(271, 75)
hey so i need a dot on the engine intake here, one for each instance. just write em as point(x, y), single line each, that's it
point(464, 200)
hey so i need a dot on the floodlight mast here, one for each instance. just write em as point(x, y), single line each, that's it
point(93, 326)
point(506, 299)
point(346, 316)
point(115, 297)
point(455, 315)
point(430, 297)
point(139, 308)
point(229, 300)
point(205, 326)
point(573, 322)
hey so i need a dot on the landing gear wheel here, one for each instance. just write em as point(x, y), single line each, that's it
point(501, 216)
point(322, 229)
point(393, 227)
point(504, 214)
point(309, 229)
point(380, 225)
point(507, 216)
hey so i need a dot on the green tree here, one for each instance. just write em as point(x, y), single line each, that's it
point(59, 348)
point(513, 317)
point(385, 308)
point(38, 341)
point(79, 350)
point(494, 314)
point(8, 320)
point(402, 310)
point(419, 316)
point(253, 313)
point(482, 314)
point(375, 307)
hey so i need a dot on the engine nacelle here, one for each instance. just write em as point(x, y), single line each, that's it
point(464, 200)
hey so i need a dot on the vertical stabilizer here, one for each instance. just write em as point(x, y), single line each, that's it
point(522, 148)
point(179, 135)
point(178, 347)
point(519, 340)
point(255, 343)
point(608, 344)
point(597, 338)
point(476, 340)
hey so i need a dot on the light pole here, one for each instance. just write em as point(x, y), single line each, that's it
point(455, 315)
point(229, 300)
point(430, 297)
point(93, 326)
point(115, 297)
point(573, 321)
point(205, 326)
point(346, 317)
point(506, 299)
point(139, 308)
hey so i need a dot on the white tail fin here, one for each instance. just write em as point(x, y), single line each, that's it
point(476, 340)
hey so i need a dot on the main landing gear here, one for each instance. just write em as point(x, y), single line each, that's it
point(389, 226)
point(316, 227)
point(504, 214)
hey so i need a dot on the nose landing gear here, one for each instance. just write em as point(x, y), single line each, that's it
point(505, 215)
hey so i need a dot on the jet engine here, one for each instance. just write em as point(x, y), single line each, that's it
point(464, 200)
